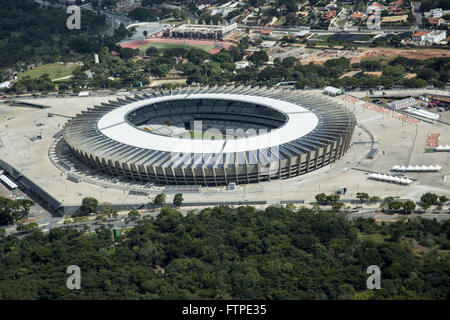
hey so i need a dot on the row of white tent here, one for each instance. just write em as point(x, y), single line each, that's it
point(423, 168)
point(442, 148)
point(388, 178)
point(8, 181)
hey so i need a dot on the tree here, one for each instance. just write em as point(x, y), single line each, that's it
point(134, 214)
point(337, 206)
point(259, 57)
point(289, 62)
point(321, 198)
point(395, 205)
point(429, 198)
point(324, 199)
point(178, 199)
point(443, 199)
point(108, 210)
point(415, 83)
point(128, 53)
point(352, 82)
point(386, 82)
point(152, 52)
point(89, 206)
point(362, 196)
point(424, 205)
point(290, 207)
point(21, 227)
point(14, 210)
point(26, 205)
point(160, 199)
point(427, 74)
point(2, 233)
point(145, 33)
point(408, 206)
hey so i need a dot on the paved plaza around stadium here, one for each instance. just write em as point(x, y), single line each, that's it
point(398, 143)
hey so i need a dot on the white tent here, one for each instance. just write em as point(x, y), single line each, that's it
point(388, 178)
point(417, 168)
point(442, 148)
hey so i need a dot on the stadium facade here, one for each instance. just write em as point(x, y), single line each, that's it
point(211, 136)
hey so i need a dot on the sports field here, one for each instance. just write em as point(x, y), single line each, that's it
point(160, 43)
point(166, 45)
point(54, 70)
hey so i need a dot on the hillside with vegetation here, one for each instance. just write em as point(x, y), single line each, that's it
point(30, 33)
point(233, 253)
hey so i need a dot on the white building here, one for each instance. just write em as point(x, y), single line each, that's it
point(332, 91)
point(242, 64)
point(434, 37)
point(402, 104)
point(225, 9)
point(267, 44)
point(5, 84)
point(435, 13)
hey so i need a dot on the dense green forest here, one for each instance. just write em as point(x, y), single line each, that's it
point(32, 34)
point(233, 253)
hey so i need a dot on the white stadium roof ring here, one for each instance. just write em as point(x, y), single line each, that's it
point(211, 136)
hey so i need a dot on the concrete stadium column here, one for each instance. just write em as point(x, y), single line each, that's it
point(225, 167)
point(316, 158)
point(324, 154)
point(184, 175)
point(308, 159)
point(290, 167)
point(204, 176)
point(165, 175)
point(236, 168)
point(193, 175)
point(333, 152)
point(174, 175)
point(215, 175)
point(153, 170)
point(341, 145)
point(299, 163)
point(279, 168)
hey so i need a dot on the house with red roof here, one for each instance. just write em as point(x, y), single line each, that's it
point(328, 15)
point(435, 21)
point(356, 16)
point(418, 35)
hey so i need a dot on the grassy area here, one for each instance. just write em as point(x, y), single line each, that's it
point(166, 45)
point(54, 70)
point(280, 21)
point(323, 37)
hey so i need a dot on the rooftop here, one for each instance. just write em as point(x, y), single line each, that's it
point(301, 122)
point(420, 33)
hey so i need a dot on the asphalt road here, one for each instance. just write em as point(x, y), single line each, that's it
point(124, 222)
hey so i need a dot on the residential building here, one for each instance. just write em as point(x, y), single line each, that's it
point(435, 37)
point(328, 15)
point(357, 16)
point(418, 36)
point(436, 21)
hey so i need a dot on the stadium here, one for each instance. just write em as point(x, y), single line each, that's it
point(211, 135)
